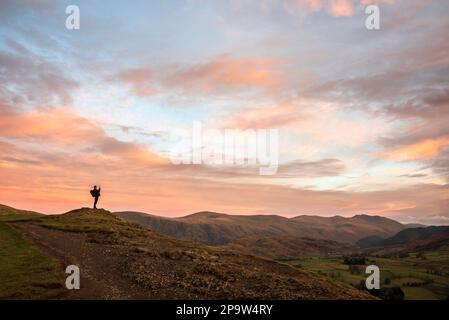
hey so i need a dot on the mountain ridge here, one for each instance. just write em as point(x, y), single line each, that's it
point(220, 229)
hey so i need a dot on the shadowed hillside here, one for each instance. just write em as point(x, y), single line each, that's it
point(121, 260)
point(220, 229)
point(416, 238)
point(284, 248)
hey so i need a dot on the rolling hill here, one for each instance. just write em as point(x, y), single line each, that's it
point(122, 260)
point(220, 229)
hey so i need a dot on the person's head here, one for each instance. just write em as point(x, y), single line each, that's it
point(95, 187)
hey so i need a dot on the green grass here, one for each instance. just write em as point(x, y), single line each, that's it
point(88, 220)
point(8, 214)
point(401, 272)
point(25, 272)
point(100, 225)
point(420, 293)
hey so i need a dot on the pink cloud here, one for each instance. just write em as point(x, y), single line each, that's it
point(422, 150)
point(140, 80)
point(222, 74)
point(227, 72)
point(67, 131)
point(367, 2)
point(272, 116)
point(341, 8)
point(337, 8)
point(313, 5)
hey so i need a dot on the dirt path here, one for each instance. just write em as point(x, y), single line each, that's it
point(100, 278)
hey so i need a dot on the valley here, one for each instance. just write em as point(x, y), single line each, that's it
point(420, 275)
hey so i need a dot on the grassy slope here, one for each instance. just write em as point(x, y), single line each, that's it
point(25, 273)
point(8, 214)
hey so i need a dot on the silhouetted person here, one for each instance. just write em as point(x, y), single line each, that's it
point(96, 194)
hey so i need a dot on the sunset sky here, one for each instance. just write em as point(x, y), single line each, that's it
point(363, 116)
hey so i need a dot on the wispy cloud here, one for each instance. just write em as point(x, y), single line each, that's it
point(336, 8)
point(428, 149)
point(222, 75)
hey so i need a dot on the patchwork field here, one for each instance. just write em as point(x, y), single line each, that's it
point(421, 276)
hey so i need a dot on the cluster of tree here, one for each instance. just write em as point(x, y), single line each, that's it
point(354, 260)
point(395, 255)
point(435, 272)
point(335, 274)
point(413, 284)
point(393, 293)
point(418, 284)
point(354, 269)
point(421, 256)
point(385, 293)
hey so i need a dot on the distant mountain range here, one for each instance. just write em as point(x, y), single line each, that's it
point(220, 229)
point(270, 235)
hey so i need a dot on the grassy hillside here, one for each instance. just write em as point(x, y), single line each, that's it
point(12, 214)
point(25, 272)
point(121, 260)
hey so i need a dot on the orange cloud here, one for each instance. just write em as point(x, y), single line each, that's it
point(313, 5)
point(227, 73)
point(427, 149)
point(275, 116)
point(223, 74)
point(341, 8)
point(367, 2)
point(140, 81)
point(337, 8)
point(54, 124)
point(70, 133)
